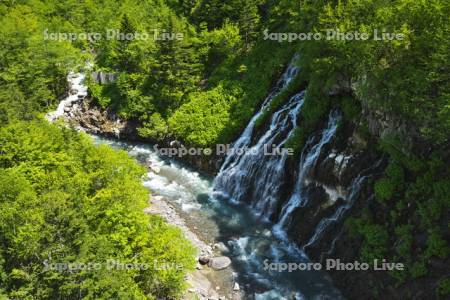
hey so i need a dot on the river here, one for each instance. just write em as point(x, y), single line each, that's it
point(248, 241)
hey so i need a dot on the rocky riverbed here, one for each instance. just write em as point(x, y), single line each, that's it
point(212, 279)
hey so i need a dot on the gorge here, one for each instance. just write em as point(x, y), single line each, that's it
point(261, 208)
point(251, 149)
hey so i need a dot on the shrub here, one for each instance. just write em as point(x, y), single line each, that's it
point(384, 189)
point(156, 128)
point(444, 287)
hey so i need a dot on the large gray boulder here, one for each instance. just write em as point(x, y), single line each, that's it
point(219, 263)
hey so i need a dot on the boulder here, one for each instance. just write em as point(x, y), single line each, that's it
point(219, 263)
point(203, 260)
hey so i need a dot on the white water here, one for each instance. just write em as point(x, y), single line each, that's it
point(76, 83)
point(245, 138)
point(307, 162)
point(246, 240)
point(325, 223)
point(256, 179)
point(258, 170)
point(255, 175)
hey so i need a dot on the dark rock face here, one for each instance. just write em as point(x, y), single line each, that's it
point(384, 124)
point(307, 217)
point(329, 189)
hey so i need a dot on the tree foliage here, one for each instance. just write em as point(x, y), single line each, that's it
point(65, 201)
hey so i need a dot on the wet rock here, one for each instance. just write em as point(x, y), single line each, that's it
point(219, 263)
point(220, 247)
point(236, 287)
point(203, 260)
point(73, 91)
point(175, 144)
point(306, 218)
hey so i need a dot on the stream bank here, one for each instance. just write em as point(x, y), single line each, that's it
point(234, 229)
point(84, 113)
point(77, 111)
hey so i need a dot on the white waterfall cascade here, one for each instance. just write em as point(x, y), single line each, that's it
point(307, 162)
point(258, 173)
point(245, 138)
point(355, 189)
point(77, 91)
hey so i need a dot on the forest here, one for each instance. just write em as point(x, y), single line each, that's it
point(62, 197)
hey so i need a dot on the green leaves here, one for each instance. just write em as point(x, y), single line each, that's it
point(32, 69)
point(204, 118)
point(155, 128)
point(63, 200)
point(391, 184)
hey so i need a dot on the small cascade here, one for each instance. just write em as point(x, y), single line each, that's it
point(338, 214)
point(307, 162)
point(354, 193)
point(77, 92)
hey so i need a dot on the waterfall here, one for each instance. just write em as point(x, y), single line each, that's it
point(355, 188)
point(307, 162)
point(245, 138)
point(249, 242)
point(258, 174)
